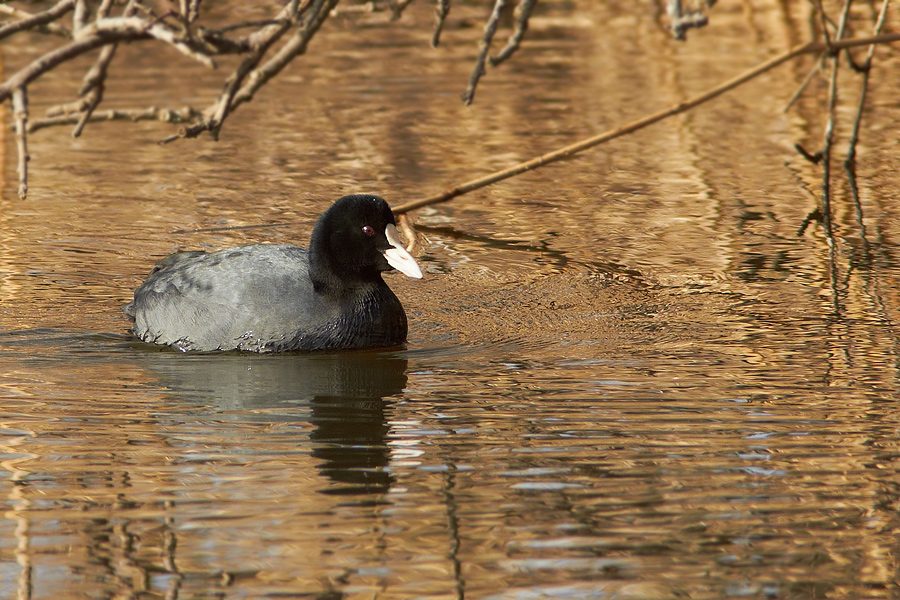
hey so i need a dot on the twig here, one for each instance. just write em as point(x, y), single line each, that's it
point(100, 33)
point(866, 69)
point(234, 228)
point(106, 5)
point(820, 11)
point(397, 8)
point(441, 10)
point(47, 62)
point(490, 29)
point(37, 20)
point(404, 222)
point(49, 28)
point(850, 168)
point(107, 31)
point(523, 13)
point(813, 157)
point(681, 21)
point(832, 117)
point(814, 216)
point(569, 151)
point(805, 83)
point(93, 87)
point(264, 41)
point(237, 89)
point(65, 109)
point(166, 115)
point(157, 30)
point(20, 115)
point(193, 10)
point(183, 9)
point(845, 14)
point(826, 149)
point(79, 16)
point(297, 46)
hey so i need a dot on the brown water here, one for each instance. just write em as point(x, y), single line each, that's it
point(627, 375)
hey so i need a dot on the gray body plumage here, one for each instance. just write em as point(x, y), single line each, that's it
point(260, 298)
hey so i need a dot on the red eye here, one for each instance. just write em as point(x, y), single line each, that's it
point(368, 230)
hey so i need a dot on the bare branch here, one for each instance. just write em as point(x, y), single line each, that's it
point(845, 14)
point(294, 48)
point(679, 108)
point(49, 28)
point(105, 6)
point(172, 23)
point(136, 26)
point(441, 9)
point(523, 13)
point(826, 149)
point(816, 70)
point(193, 10)
point(219, 44)
point(47, 62)
point(79, 17)
point(261, 43)
point(832, 113)
point(20, 115)
point(404, 223)
point(165, 115)
point(296, 24)
point(38, 20)
point(682, 20)
point(489, 30)
point(99, 33)
point(65, 109)
point(824, 20)
point(866, 68)
point(397, 8)
point(94, 86)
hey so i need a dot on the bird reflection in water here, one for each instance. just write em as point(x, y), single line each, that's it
point(342, 395)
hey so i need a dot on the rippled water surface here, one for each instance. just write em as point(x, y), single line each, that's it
point(631, 375)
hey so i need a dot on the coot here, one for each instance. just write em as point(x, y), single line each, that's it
point(277, 298)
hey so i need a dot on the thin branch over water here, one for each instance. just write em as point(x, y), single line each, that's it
point(268, 47)
point(581, 146)
point(523, 13)
point(490, 29)
point(271, 44)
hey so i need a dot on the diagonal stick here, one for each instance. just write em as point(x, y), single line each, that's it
point(569, 151)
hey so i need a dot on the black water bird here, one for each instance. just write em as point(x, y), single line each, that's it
point(278, 298)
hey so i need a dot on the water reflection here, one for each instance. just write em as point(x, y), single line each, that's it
point(625, 368)
point(341, 395)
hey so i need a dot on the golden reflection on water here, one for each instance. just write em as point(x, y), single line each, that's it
point(627, 374)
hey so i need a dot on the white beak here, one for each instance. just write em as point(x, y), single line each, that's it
point(398, 257)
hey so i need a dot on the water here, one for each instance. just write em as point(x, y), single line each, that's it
point(627, 375)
